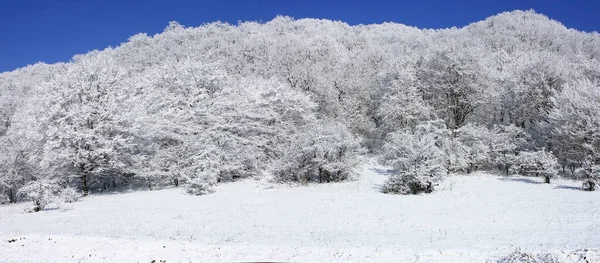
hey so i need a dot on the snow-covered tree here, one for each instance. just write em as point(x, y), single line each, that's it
point(402, 107)
point(15, 169)
point(507, 142)
point(538, 163)
point(590, 175)
point(169, 103)
point(451, 82)
point(87, 138)
point(416, 156)
point(21, 146)
point(574, 126)
point(41, 192)
point(319, 152)
point(477, 143)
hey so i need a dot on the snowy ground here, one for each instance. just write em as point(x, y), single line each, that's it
point(471, 219)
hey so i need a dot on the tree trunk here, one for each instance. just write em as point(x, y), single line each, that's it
point(320, 175)
point(84, 185)
point(11, 196)
point(589, 185)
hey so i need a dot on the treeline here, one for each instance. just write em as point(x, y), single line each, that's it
point(299, 100)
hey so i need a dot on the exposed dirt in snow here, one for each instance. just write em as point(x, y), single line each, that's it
point(469, 219)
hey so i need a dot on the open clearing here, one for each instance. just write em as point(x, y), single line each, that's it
point(469, 219)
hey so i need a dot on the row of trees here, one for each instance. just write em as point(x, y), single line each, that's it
point(299, 99)
point(97, 126)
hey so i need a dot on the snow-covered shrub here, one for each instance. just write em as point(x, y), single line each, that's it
point(321, 152)
point(69, 195)
point(202, 184)
point(519, 256)
point(199, 187)
point(590, 174)
point(476, 142)
point(539, 163)
point(4, 199)
point(409, 183)
point(41, 192)
point(456, 155)
point(416, 156)
point(506, 142)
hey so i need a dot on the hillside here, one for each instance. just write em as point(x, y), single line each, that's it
point(248, 142)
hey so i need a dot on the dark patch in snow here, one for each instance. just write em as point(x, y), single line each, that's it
point(568, 187)
point(15, 240)
point(522, 180)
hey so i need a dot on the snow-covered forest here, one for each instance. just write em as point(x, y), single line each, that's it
point(308, 141)
point(299, 101)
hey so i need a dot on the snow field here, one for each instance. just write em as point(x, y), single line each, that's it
point(469, 219)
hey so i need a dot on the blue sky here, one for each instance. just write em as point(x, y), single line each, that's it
point(55, 30)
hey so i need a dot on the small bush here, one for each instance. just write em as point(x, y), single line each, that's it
point(69, 195)
point(407, 184)
point(202, 185)
point(41, 192)
point(589, 185)
point(4, 199)
point(590, 176)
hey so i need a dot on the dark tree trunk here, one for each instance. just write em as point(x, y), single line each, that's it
point(320, 175)
point(11, 196)
point(546, 179)
point(589, 185)
point(84, 185)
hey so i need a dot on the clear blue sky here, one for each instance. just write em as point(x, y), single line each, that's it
point(55, 30)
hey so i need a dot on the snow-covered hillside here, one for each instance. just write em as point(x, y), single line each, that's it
point(468, 219)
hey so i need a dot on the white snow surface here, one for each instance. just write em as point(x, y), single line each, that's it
point(474, 218)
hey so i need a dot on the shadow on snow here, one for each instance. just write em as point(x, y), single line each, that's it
point(522, 180)
point(568, 187)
